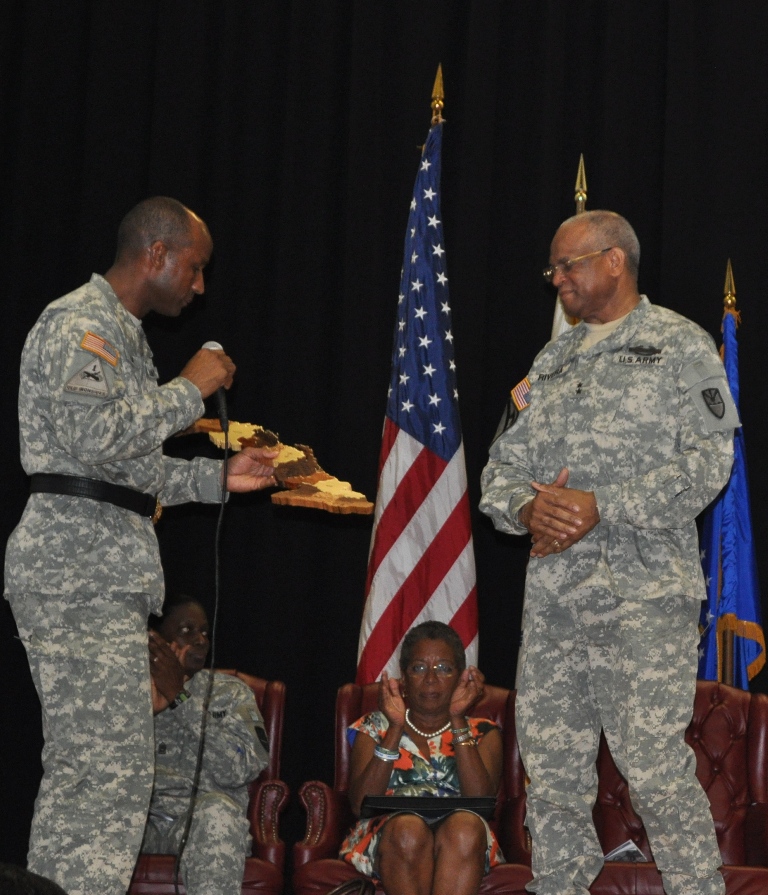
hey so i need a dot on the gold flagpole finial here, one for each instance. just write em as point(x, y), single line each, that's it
point(729, 294)
point(581, 187)
point(437, 97)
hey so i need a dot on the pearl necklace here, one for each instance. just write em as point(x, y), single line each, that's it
point(427, 736)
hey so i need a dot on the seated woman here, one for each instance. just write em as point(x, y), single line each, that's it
point(236, 749)
point(422, 743)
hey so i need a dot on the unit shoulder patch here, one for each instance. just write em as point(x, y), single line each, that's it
point(90, 380)
point(707, 385)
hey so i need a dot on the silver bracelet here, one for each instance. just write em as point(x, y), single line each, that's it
point(386, 754)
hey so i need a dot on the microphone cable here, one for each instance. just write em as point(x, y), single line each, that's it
point(212, 657)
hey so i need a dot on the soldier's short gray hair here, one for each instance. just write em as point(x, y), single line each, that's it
point(612, 230)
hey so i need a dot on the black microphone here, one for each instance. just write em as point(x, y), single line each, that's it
point(221, 398)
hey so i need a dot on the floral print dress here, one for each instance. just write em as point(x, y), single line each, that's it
point(412, 775)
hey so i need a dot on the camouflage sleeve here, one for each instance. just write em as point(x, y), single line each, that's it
point(186, 481)
point(236, 747)
point(122, 421)
point(506, 479)
point(672, 494)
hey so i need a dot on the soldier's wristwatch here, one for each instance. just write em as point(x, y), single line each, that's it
point(183, 696)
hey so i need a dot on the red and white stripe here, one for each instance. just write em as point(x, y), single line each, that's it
point(421, 563)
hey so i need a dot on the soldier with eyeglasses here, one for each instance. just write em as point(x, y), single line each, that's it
point(622, 434)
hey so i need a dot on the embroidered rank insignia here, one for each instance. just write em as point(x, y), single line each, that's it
point(520, 394)
point(714, 401)
point(90, 380)
point(96, 345)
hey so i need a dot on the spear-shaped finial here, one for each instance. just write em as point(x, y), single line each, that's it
point(729, 296)
point(729, 293)
point(437, 97)
point(581, 187)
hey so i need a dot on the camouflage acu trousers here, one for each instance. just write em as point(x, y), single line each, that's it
point(89, 661)
point(630, 667)
point(214, 856)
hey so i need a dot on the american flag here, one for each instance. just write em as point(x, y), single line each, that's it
point(421, 564)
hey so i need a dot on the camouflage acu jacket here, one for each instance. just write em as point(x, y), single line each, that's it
point(90, 405)
point(644, 419)
point(236, 746)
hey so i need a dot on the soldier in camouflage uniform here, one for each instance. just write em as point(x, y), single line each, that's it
point(623, 437)
point(235, 752)
point(82, 574)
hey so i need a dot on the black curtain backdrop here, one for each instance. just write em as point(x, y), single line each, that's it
point(292, 128)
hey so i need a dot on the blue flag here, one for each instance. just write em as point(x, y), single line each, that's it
point(728, 559)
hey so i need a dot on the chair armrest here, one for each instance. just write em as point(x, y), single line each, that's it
point(267, 804)
point(756, 835)
point(328, 819)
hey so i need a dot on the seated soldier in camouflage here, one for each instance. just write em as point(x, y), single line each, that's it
point(235, 752)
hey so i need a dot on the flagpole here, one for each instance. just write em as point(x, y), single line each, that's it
point(421, 562)
point(729, 307)
point(562, 322)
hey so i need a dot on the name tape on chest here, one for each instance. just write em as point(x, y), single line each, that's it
point(640, 360)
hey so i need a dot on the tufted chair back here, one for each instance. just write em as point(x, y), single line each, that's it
point(729, 734)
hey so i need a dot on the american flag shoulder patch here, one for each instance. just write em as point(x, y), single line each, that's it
point(520, 394)
point(101, 347)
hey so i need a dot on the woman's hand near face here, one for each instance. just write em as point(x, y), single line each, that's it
point(391, 701)
point(469, 689)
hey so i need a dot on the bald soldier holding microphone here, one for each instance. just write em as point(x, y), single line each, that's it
point(82, 568)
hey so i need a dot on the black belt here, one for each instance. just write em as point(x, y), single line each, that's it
point(77, 486)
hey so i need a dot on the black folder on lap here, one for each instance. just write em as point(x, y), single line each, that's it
point(428, 807)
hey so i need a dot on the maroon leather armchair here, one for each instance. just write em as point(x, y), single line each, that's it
point(317, 867)
point(264, 869)
point(729, 734)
